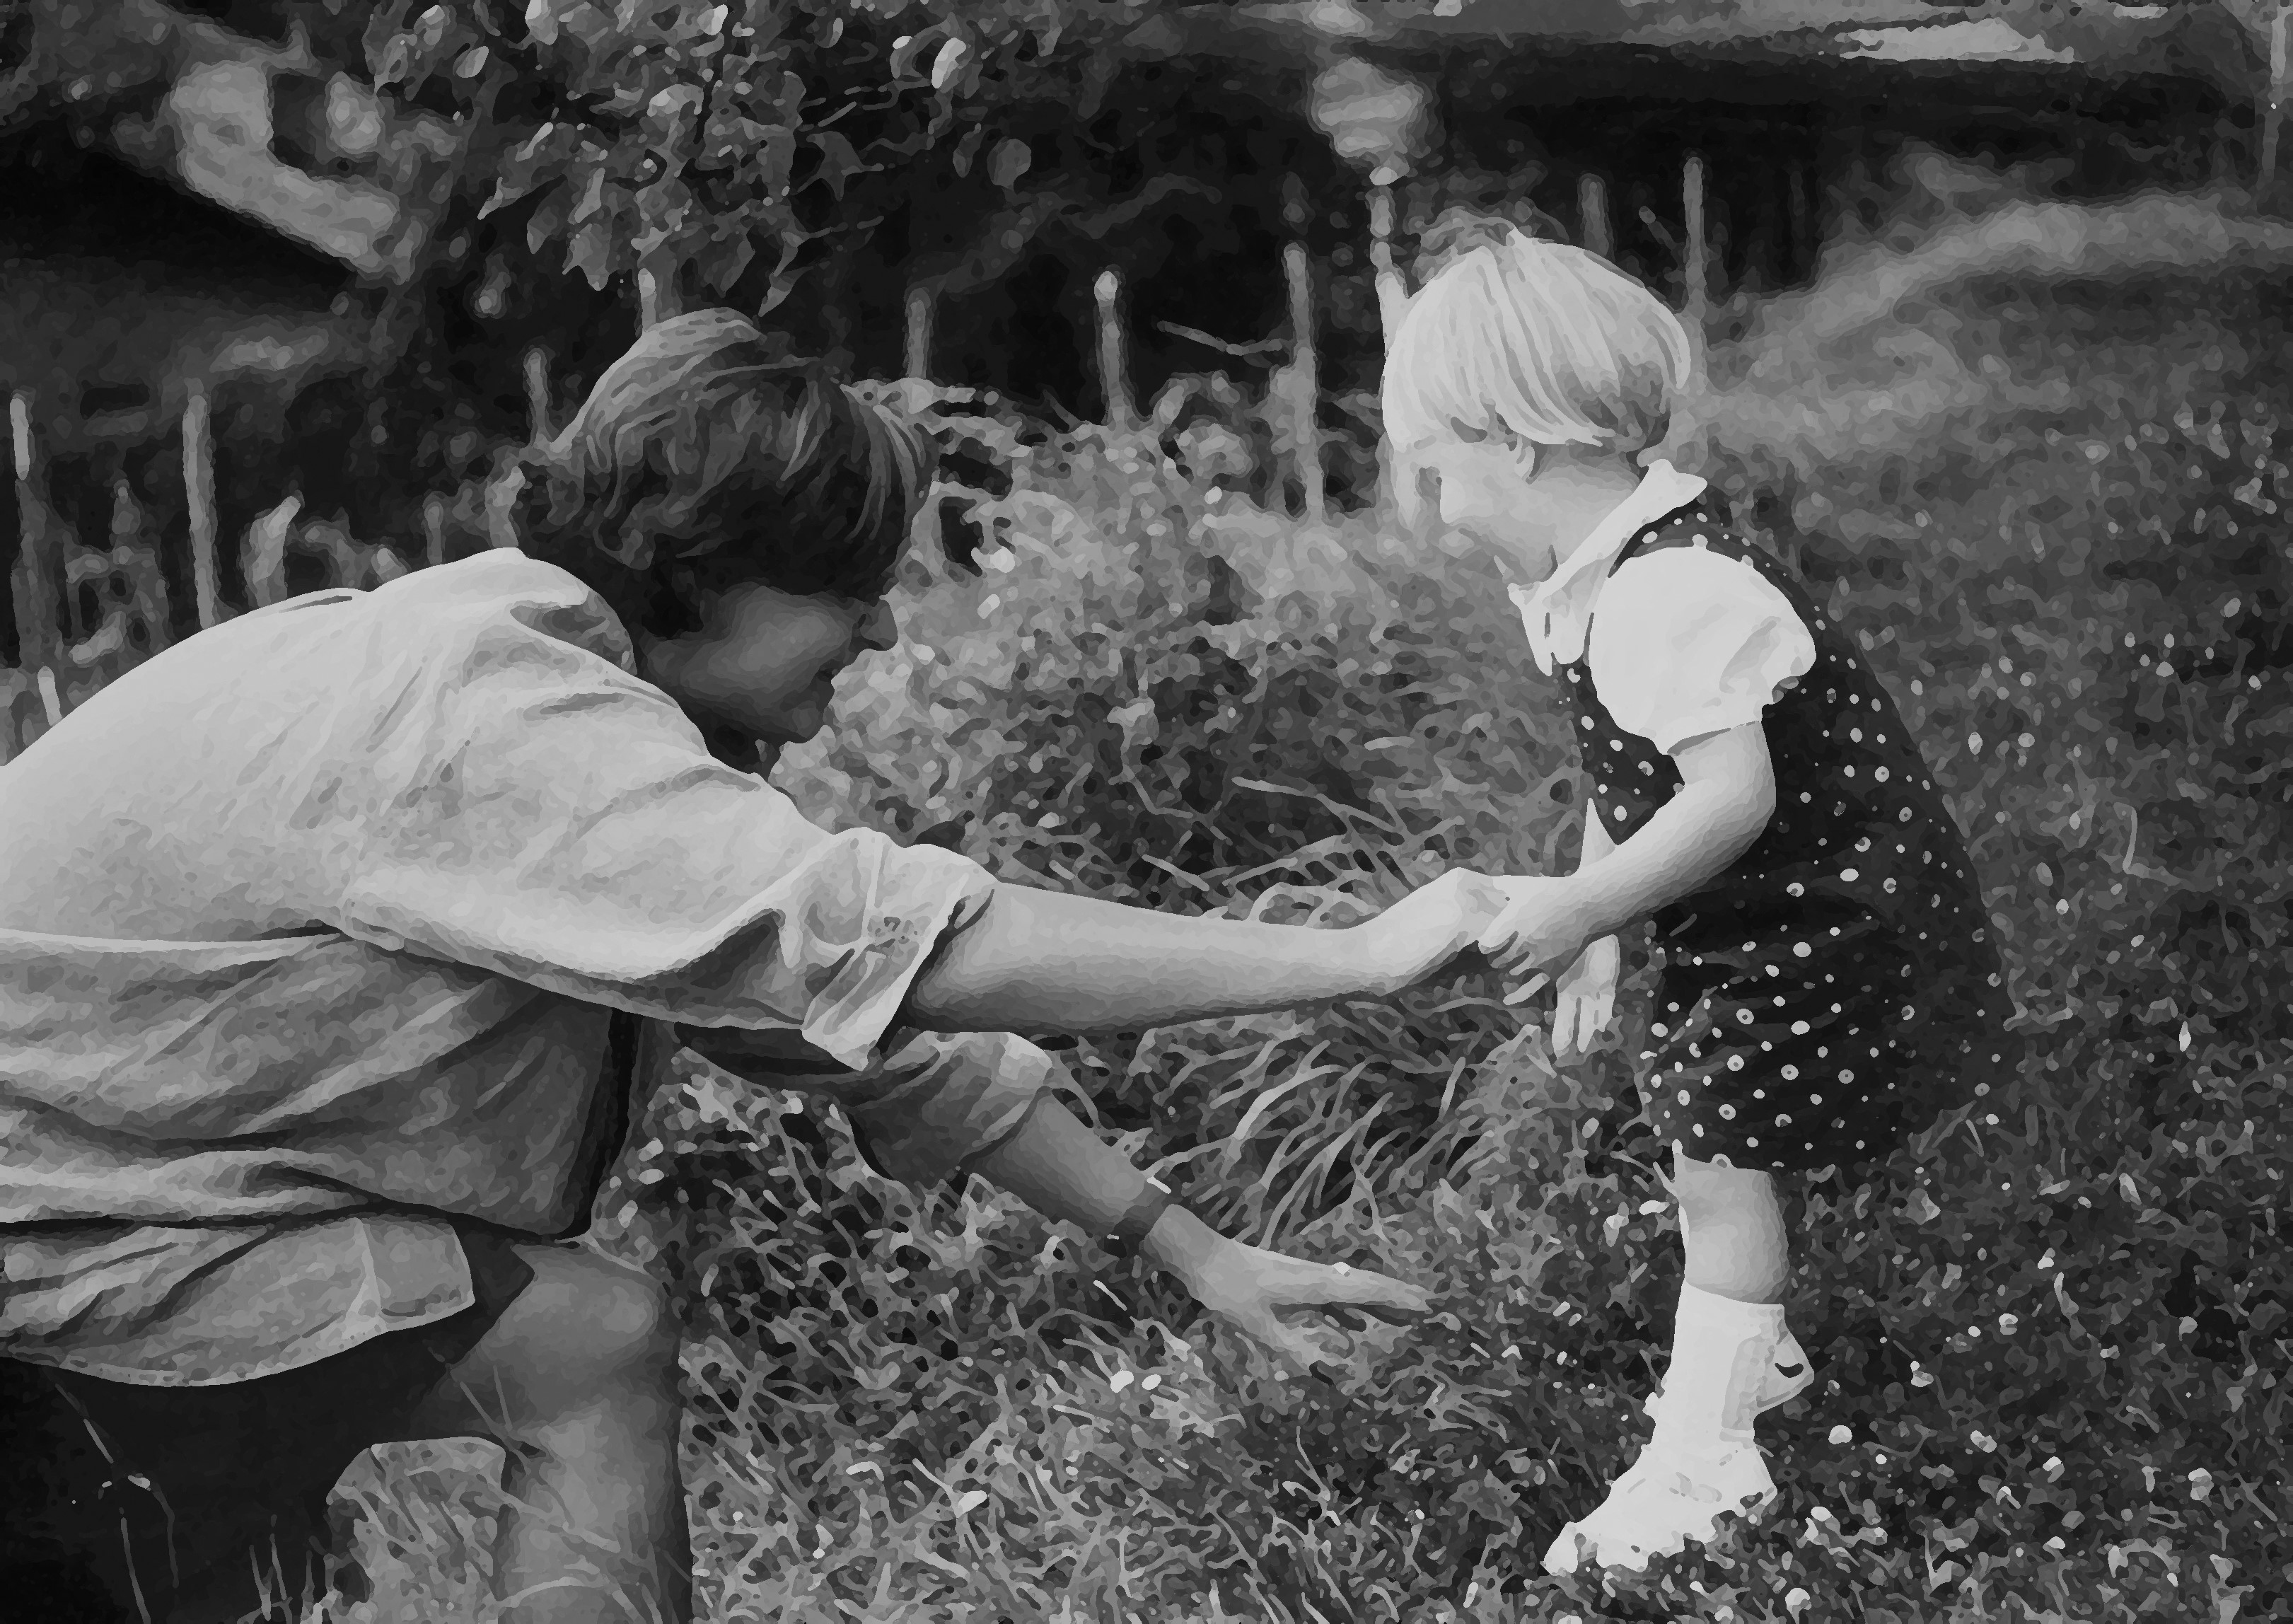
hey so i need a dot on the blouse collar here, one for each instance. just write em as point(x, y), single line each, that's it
point(1556, 612)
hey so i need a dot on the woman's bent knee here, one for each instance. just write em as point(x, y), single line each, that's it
point(586, 1333)
point(602, 1323)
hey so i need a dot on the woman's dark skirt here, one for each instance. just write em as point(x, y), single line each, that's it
point(122, 1504)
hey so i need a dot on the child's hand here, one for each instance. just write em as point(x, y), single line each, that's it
point(1588, 998)
point(1537, 931)
point(1427, 931)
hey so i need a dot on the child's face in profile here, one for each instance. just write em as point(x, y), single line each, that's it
point(1487, 491)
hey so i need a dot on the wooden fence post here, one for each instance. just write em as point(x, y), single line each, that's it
point(1800, 249)
point(1593, 231)
point(502, 487)
point(1392, 288)
point(921, 311)
point(1392, 295)
point(2272, 110)
point(536, 396)
point(1697, 247)
point(139, 560)
point(34, 584)
point(659, 299)
point(1114, 373)
point(1305, 383)
point(77, 568)
point(262, 558)
point(198, 491)
point(433, 528)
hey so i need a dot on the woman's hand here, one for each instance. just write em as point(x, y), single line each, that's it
point(1587, 999)
point(1427, 931)
point(1250, 1288)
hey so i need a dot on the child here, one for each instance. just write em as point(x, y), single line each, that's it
point(1827, 985)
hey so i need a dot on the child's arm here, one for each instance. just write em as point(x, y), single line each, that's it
point(1596, 844)
point(1727, 795)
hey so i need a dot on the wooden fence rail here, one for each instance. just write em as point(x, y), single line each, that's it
point(89, 608)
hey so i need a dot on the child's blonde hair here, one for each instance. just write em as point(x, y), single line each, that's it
point(1536, 342)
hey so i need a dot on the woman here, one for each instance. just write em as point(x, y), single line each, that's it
point(334, 941)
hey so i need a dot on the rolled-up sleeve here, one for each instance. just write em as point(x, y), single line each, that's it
point(1688, 643)
point(934, 1104)
point(945, 1100)
point(939, 1102)
point(546, 816)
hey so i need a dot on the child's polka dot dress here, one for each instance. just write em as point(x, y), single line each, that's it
point(1836, 989)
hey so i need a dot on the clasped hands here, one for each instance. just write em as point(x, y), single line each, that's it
point(1522, 924)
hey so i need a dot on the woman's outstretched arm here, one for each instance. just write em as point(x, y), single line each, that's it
point(1047, 962)
point(1065, 1171)
point(1056, 1165)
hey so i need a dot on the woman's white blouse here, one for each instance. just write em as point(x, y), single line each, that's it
point(1684, 643)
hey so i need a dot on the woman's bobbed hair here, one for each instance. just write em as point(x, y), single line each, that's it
point(707, 456)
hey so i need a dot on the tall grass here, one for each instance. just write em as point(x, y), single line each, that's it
point(2048, 1333)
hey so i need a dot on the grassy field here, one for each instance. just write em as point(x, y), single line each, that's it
point(2050, 1334)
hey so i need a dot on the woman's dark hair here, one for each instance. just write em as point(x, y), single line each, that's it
point(707, 456)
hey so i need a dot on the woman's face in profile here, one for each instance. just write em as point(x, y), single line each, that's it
point(765, 661)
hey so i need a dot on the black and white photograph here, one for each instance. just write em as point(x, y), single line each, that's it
point(1146, 811)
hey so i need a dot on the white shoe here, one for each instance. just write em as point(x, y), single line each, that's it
point(1666, 1498)
point(1789, 1374)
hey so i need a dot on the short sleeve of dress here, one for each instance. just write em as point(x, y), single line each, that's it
point(543, 814)
point(1686, 643)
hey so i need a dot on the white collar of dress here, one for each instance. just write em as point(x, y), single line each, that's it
point(1556, 612)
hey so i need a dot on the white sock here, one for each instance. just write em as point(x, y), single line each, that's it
point(1721, 1353)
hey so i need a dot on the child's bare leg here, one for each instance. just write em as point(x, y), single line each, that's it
point(1731, 1226)
point(579, 1382)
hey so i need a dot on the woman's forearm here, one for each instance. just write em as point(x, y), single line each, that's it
point(1050, 962)
point(1068, 1174)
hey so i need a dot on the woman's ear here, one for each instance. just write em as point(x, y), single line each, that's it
point(677, 606)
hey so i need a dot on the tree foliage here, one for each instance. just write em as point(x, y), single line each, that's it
point(704, 140)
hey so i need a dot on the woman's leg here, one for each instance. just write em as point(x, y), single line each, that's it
point(579, 1382)
point(1731, 1226)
